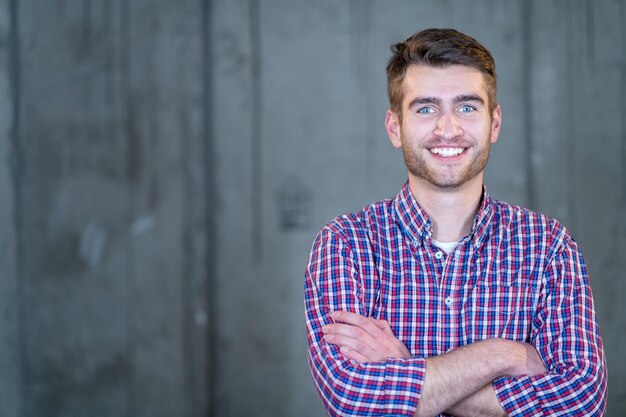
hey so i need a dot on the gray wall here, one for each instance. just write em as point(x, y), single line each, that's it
point(106, 220)
point(168, 164)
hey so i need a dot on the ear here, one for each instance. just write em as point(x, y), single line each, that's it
point(496, 122)
point(392, 124)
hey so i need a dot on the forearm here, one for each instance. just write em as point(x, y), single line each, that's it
point(480, 404)
point(455, 380)
point(463, 373)
point(569, 342)
point(383, 388)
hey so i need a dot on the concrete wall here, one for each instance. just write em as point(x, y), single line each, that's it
point(108, 203)
point(298, 110)
point(168, 164)
point(10, 329)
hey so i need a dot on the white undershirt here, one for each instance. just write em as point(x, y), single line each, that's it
point(447, 247)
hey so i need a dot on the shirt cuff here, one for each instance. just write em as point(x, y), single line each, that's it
point(403, 385)
point(517, 396)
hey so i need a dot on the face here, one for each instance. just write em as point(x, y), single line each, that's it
point(445, 129)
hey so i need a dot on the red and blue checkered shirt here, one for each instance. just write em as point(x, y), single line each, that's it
point(518, 275)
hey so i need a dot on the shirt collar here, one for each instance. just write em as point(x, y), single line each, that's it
point(415, 222)
point(482, 222)
point(418, 226)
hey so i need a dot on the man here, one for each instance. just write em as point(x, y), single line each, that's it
point(444, 300)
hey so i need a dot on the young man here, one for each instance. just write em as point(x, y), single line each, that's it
point(444, 300)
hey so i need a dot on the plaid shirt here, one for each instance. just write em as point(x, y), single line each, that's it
point(518, 275)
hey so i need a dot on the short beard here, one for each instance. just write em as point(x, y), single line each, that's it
point(418, 167)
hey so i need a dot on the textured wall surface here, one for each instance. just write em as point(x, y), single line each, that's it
point(166, 166)
point(110, 198)
point(10, 345)
point(299, 105)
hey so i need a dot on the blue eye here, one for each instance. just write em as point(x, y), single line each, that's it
point(426, 110)
point(467, 108)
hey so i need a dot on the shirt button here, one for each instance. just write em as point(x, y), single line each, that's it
point(438, 255)
point(448, 301)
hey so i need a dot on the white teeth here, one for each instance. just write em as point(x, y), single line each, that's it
point(447, 151)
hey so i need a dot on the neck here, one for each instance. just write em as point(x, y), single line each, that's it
point(451, 210)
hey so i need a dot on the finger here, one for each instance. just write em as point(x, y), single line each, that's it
point(352, 344)
point(357, 320)
point(384, 343)
point(352, 332)
point(535, 363)
point(378, 336)
point(380, 341)
point(374, 349)
point(382, 325)
point(353, 355)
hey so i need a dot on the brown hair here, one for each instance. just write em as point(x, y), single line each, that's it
point(438, 48)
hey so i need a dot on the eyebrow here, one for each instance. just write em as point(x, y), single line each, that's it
point(469, 97)
point(424, 100)
point(436, 100)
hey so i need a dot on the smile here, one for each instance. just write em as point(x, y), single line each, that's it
point(447, 152)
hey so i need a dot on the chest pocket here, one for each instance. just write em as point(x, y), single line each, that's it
point(500, 310)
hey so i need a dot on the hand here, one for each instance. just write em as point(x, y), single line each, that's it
point(522, 358)
point(363, 339)
point(531, 361)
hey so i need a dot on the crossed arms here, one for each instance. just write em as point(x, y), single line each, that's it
point(469, 369)
point(366, 370)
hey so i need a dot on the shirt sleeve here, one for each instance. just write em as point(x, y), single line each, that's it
point(566, 335)
point(333, 282)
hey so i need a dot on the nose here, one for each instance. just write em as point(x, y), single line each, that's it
point(448, 127)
